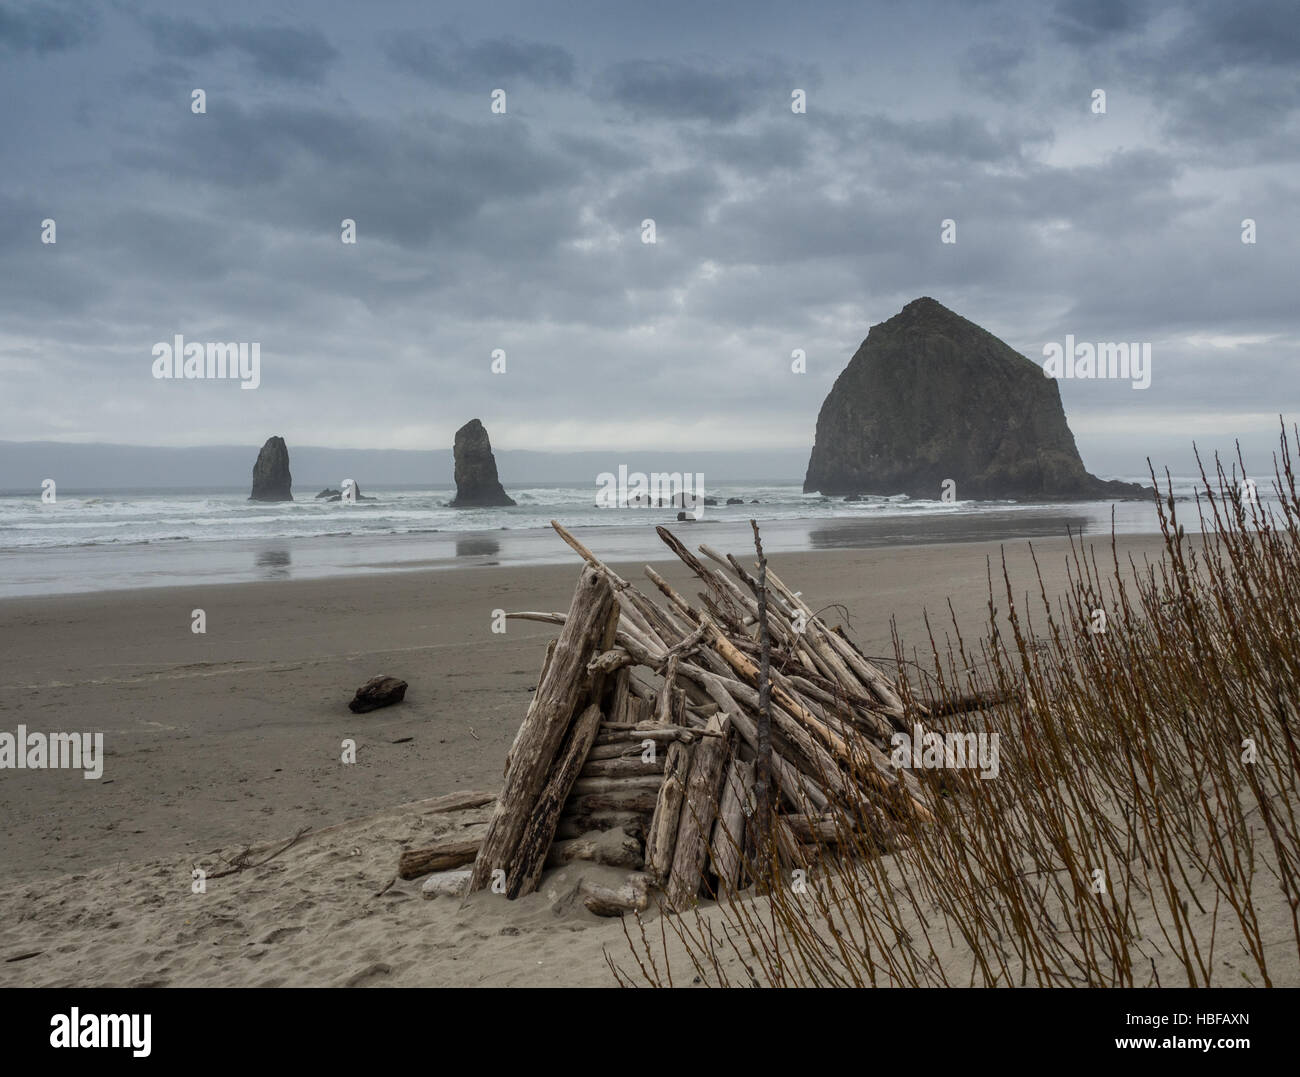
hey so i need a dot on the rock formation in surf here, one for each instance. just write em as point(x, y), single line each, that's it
point(477, 485)
point(271, 478)
point(930, 396)
point(330, 494)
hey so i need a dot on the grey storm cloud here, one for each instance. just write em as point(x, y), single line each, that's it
point(1090, 22)
point(275, 52)
point(522, 231)
point(688, 90)
point(446, 61)
point(45, 28)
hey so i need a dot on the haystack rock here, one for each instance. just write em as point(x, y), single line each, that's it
point(930, 396)
point(477, 485)
point(271, 478)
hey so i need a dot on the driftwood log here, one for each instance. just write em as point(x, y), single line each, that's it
point(661, 837)
point(540, 736)
point(526, 869)
point(447, 854)
point(699, 807)
point(446, 884)
point(378, 692)
point(726, 850)
point(613, 848)
point(577, 826)
point(632, 896)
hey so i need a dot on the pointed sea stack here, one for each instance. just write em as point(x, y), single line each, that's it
point(271, 478)
point(477, 485)
point(930, 396)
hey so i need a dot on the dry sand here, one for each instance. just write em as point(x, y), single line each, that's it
point(233, 738)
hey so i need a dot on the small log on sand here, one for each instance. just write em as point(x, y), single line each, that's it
point(446, 884)
point(378, 692)
point(632, 896)
point(442, 856)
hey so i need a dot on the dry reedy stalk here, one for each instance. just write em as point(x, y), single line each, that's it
point(1148, 775)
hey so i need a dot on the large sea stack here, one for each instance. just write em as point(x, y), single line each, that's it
point(271, 478)
point(930, 396)
point(477, 485)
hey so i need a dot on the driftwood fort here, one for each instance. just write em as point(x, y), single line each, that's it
point(651, 727)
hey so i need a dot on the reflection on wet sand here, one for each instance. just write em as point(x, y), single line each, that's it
point(477, 546)
point(920, 530)
point(273, 563)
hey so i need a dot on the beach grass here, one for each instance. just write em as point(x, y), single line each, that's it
point(1141, 825)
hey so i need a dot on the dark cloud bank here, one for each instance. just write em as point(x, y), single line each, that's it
point(522, 231)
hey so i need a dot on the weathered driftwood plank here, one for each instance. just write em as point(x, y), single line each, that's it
point(627, 784)
point(727, 847)
point(613, 734)
point(577, 826)
point(664, 710)
point(661, 835)
point(544, 726)
point(622, 851)
point(632, 896)
point(526, 868)
point(631, 747)
point(699, 808)
point(442, 856)
point(626, 766)
point(619, 695)
point(640, 801)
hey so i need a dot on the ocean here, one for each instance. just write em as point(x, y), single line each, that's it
point(110, 539)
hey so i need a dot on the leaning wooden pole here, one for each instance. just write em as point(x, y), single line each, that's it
point(561, 691)
point(763, 762)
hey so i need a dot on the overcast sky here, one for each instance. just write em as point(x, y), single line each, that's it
point(522, 231)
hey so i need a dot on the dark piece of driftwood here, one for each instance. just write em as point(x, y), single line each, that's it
point(378, 692)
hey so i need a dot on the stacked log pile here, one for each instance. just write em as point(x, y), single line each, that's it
point(639, 747)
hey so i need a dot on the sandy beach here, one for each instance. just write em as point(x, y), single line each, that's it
point(230, 739)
